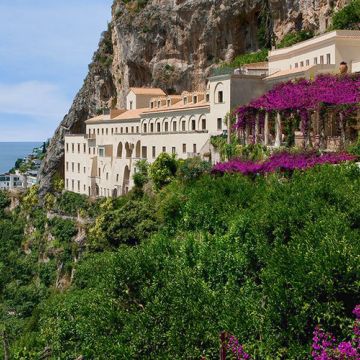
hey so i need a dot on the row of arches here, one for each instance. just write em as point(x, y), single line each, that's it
point(111, 187)
point(127, 150)
point(164, 125)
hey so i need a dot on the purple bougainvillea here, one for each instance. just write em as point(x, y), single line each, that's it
point(335, 93)
point(283, 162)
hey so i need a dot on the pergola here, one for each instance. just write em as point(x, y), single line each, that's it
point(307, 108)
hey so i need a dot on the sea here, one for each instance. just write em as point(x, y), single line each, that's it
point(11, 151)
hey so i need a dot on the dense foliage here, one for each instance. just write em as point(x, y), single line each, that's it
point(295, 37)
point(265, 259)
point(348, 18)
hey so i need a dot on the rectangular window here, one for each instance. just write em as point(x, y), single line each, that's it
point(296, 65)
point(183, 126)
point(102, 131)
point(173, 150)
point(152, 128)
point(164, 149)
point(195, 99)
point(67, 184)
point(166, 127)
point(203, 124)
point(72, 148)
point(132, 129)
point(99, 172)
point(84, 170)
point(193, 125)
point(84, 187)
point(151, 105)
point(89, 151)
point(67, 147)
point(158, 127)
point(72, 185)
point(78, 185)
point(84, 148)
point(101, 152)
point(220, 97)
point(169, 102)
point(185, 100)
point(144, 152)
point(131, 105)
point(79, 168)
point(112, 131)
point(194, 148)
point(145, 128)
point(122, 130)
point(107, 131)
point(207, 97)
point(159, 103)
point(301, 64)
point(67, 166)
point(315, 61)
point(174, 126)
point(137, 129)
point(127, 130)
point(98, 131)
point(328, 59)
point(184, 148)
point(72, 167)
point(219, 123)
point(154, 152)
point(307, 62)
point(78, 148)
point(321, 59)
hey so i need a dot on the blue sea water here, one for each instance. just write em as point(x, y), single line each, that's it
point(11, 151)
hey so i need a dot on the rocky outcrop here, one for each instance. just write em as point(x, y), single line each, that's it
point(174, 44)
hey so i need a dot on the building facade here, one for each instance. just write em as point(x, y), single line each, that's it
point(321, 54)
point(102, 161)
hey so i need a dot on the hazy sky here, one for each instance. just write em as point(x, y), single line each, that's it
point(45, 49)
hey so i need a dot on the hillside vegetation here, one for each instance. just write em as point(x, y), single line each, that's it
point(163, 272)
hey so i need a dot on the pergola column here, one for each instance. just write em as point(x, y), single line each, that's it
point(246, 134)
point(278, 130)
point(342, 130)
point(266, 129)
point(256, 129)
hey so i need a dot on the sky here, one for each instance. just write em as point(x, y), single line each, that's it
point(45, 49)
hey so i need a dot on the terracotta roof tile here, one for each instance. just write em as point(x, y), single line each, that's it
point(147, 91)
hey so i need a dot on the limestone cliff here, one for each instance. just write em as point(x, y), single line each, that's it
point(174, 44)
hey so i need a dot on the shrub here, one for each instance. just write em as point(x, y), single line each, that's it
point(294, 38)
point(193, 168)
point(163, 170)
point(348, 18)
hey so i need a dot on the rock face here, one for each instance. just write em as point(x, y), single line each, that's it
point(174, 44)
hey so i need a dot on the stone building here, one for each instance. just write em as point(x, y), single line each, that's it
point(102, 161)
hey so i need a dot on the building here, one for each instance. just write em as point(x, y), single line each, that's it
point(102, 161)
point(321, 54)
point(11, 181)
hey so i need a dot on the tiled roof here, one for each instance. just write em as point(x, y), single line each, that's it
point(177, 106)
point(98, 118)
point(130, 114)
point(147, 91)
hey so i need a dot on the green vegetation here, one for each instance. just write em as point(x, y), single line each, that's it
point(163, 272)
point(295, 37)
point(348, 18)
point(249, 58)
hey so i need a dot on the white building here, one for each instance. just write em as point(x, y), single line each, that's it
point(321, 54)
point(11, 181)
point(102, 161)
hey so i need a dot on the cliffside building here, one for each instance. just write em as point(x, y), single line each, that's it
point(321, 54)
point(102, 161)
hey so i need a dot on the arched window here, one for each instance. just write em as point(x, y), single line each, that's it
point(119, 150)
point(219, 93)
point(138, 149)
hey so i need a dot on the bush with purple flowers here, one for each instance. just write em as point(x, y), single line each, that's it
point(283, 162)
